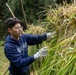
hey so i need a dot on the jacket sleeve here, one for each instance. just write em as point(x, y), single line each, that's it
point(15, 58)
point(35, 39)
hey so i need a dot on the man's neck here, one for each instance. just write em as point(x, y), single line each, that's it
point(16, 38)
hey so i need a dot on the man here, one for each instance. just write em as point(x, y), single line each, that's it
point(16, 47)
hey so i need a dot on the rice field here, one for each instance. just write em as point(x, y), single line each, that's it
point(61, 59)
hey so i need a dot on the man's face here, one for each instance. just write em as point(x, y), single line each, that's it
point(16, 31)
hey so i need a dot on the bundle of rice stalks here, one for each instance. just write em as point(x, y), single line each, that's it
point(62, 56)
point(61, 59)
point(32, 29)
point(63, 20)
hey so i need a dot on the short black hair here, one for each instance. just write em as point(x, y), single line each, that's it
point(10, 22)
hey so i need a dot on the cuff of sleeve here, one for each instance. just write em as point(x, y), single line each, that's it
point(32, 58)
point(44, 36)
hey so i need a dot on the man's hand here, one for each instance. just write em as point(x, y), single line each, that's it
point(41, 53)
point(51, 35)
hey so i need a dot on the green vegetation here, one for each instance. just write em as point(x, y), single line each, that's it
point(4, 63)
point(62, 55)
point(61, 59)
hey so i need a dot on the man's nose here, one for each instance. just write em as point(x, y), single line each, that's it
point(21, 30)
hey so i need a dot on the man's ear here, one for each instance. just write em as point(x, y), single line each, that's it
point(9, 30)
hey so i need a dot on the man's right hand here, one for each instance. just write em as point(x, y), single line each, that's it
point(41, 53)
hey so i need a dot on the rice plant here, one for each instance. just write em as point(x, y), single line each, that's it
point(61, 59)
point(62, 55)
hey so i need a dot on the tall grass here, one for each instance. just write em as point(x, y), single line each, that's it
point(61, 59)
point(62, 55)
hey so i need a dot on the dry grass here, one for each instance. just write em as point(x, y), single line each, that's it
point(63, 19)
point(35, 29)
point(4, 63)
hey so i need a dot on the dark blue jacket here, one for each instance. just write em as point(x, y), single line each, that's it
point(17, 51)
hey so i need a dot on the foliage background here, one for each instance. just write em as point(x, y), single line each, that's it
point(32, 8)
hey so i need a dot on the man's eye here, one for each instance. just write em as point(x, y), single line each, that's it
point(21, 27)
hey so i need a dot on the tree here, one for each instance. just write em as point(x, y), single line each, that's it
point(24, 15)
